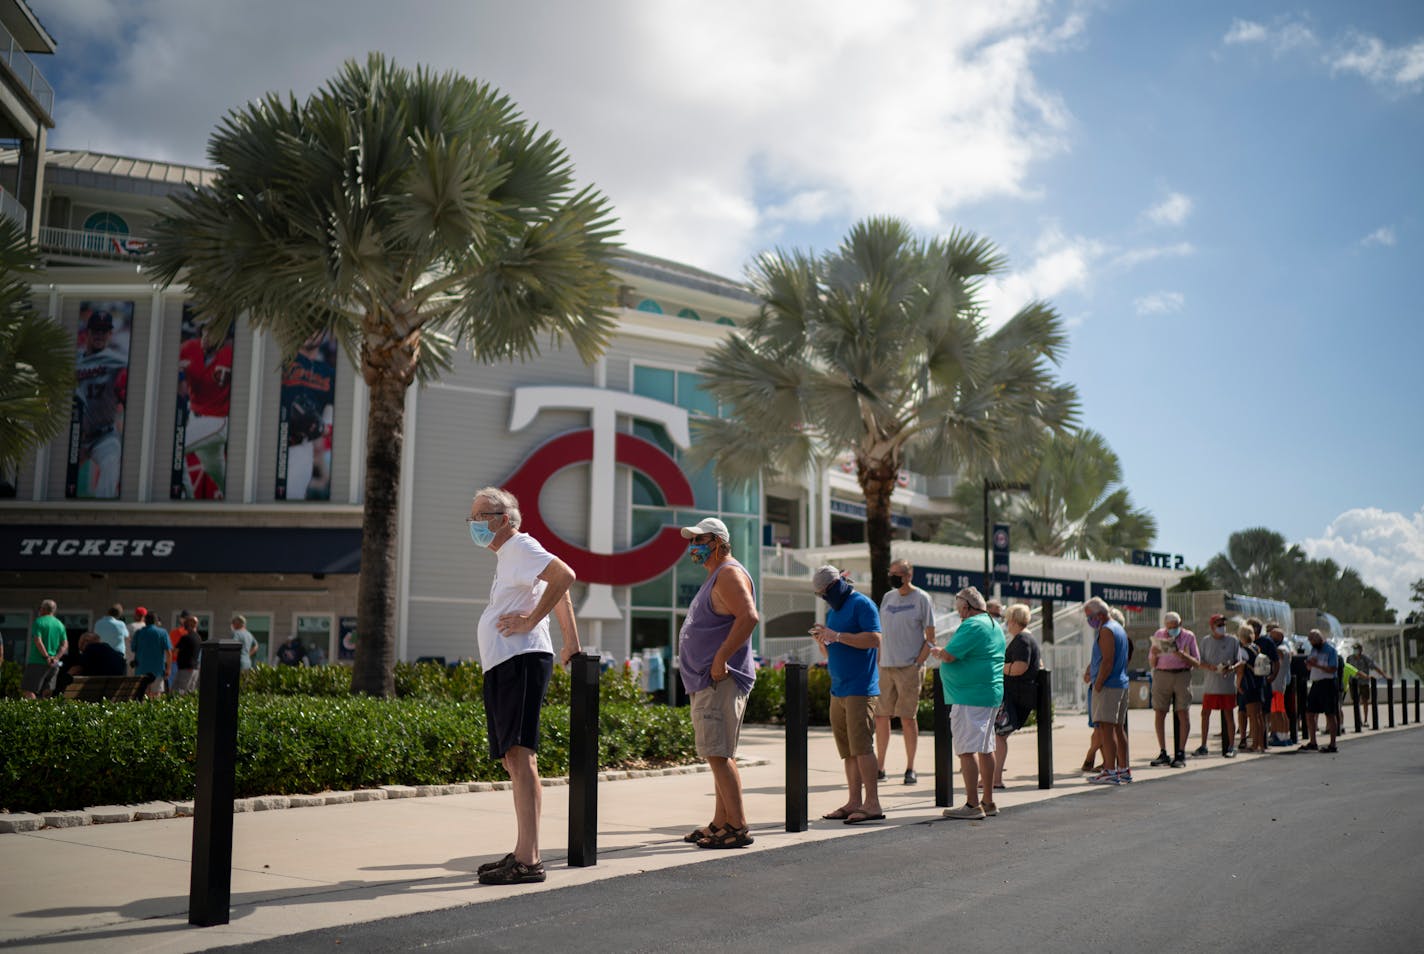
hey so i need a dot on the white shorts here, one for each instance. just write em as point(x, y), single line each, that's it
point(972, 728)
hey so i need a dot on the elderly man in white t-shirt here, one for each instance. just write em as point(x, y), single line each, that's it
point(517, 655)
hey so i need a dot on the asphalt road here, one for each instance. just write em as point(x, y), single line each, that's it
point(1299, 851)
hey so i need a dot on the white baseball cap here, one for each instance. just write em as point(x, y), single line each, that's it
point(708, 525)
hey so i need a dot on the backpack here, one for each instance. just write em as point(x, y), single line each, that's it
point(1261, 665)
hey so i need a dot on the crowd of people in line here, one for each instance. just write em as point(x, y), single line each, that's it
point(167, 659)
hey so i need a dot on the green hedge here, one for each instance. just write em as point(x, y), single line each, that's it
point(60, 754)
point(10, 674)
point(463, 682)
point(767, 702)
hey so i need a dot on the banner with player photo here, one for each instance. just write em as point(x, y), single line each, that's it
point(308, 407)
point(96, 422)
point(200, 421)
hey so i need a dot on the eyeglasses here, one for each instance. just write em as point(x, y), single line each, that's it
point(484, 515)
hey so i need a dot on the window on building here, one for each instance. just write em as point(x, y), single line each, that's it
point(316, 634)
point(110, 222)
point(15, 634)
point(650, 306)
point(689, 314)
point(657, 602)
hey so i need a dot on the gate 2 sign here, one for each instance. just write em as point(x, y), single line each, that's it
point(602, 447)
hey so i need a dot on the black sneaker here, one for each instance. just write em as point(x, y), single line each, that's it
point(911, 778)
point(1330, 748)
point(880, 775)
point(1161, 759)
point(516, 872)
point(1229, 753)
point(1309, 747)
point(1200, 751)
point(1180, 761)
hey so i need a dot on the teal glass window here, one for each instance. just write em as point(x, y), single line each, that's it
point(650, 306)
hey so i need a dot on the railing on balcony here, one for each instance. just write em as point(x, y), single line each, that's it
point(11, 209)
point(96, 244)
point(784, 561)
point(26, 71)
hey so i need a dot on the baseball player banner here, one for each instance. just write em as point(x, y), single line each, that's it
point(304, 421)
point(200, 422)
point(96, 423)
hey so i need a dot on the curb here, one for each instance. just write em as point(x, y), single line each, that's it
point(23, 822)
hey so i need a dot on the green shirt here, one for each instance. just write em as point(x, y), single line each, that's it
point(51, 632)
point(976, 677)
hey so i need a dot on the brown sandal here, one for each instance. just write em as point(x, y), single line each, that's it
point(697, 834)
point(728, 837)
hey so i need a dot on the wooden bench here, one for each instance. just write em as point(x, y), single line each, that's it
point(99, 688)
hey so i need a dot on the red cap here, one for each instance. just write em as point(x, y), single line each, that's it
point(1217, 618)
point(140, 611)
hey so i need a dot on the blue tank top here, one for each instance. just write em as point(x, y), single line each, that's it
point(703, 632)
point(1117, 676)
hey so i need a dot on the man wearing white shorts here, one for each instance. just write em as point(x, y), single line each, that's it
point(972, 673)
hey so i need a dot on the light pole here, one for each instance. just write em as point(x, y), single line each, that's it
point(988, 486)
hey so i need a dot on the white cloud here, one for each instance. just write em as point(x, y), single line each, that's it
point(1159, 303)
point(1386, 548)
point(1061, 263)
point(709, 126)
point(1384, 235)
point(1136, 256)
point(1282, 36)
point(1173, 210)
point(1398, 68)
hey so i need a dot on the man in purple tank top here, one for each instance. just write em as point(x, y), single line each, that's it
point(715, 657)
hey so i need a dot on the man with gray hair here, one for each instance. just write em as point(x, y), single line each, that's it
point(1107, 674)
point(972, 674)
point(850, 640)
point(49, 641)
point(517, 654)
point(1172, 658)
point(715, 657)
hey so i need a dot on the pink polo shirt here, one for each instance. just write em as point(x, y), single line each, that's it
point(1186, 640)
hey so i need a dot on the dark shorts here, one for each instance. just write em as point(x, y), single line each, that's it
point(39, 678)
point(1322, 697)
point(514, 695)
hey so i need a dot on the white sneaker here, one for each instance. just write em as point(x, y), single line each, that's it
point(1105, 777)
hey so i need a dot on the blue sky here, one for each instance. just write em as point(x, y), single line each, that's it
point(1223, 200)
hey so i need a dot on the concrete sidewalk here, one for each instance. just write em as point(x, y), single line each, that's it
point(300, 869)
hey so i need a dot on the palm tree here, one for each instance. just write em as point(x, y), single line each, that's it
point(1075, 507)
point(879, 348)
point(409, 213)
point(37, 353)
point(1256, 562)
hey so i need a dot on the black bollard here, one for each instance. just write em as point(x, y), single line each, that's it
point(1228, 739)
point(1355, 702)
point(944, 777)
point(1389, 699)
point(1302, 707)
point(1403, 701)
point(1044, 718)
point(1416, 701)
point(210, 877)
point(583, 761)
point(798, 718)
point(1374, 701)
point(1177, 743)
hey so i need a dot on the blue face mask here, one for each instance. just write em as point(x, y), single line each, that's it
point(481, 533)
point(836, 594)
point(700, 552)
point(1174, 632)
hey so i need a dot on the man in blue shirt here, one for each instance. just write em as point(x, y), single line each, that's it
point(151, 650)
point(1324, 694)
point(1107, 674)
point(850, 640)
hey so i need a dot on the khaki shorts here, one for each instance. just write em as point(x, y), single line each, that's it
point(1110, 706)
point(1168, 684)
point(717, 719)
point(900, 692)
point(853, 724)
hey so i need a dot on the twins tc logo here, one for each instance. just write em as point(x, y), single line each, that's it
point(604, 447)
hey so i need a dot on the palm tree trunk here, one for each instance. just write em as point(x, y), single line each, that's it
point(374, 670)
point(877, 482)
